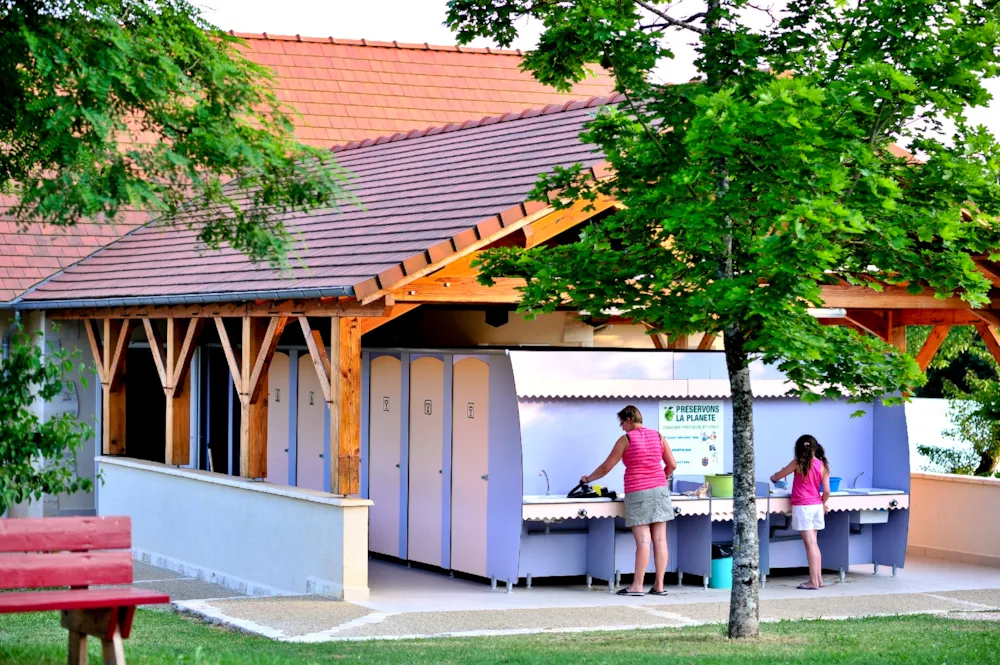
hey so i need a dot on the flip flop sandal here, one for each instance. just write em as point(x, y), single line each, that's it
point(807, 588)
point(625, 592)
point(654, 592)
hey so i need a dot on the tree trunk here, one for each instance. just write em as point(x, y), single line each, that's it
point(744, 601)
point(987, 464)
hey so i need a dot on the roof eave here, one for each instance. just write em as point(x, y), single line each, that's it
point(182, 299)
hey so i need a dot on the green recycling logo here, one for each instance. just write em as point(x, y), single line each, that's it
point(668, 414)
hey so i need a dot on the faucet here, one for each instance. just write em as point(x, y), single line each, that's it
point(854, 483)
point(542, 473)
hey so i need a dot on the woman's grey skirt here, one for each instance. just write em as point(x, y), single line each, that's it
point(648, 507)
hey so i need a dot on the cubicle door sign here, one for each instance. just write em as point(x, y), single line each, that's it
point(695, 431)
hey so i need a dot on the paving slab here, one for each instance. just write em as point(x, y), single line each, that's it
point(975, 616)
point(486, 622)
point(292, 615)
point(987, 597)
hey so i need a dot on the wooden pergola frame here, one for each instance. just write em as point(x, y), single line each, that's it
point(261, 327)
point(451, 280)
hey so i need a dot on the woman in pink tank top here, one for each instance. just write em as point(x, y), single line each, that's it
point(812, 475)
point(648, 464)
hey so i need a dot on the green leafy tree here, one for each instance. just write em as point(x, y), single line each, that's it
point(110, 105)
point(771, 176)
point(976, 416)
point(37, 456)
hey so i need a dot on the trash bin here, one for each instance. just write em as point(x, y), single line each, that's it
point(722, 566)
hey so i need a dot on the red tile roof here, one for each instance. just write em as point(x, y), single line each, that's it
point(423, 193)
point(345, 90)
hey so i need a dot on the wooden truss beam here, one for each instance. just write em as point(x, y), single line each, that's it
point(173, 360)
point(262, 309)
point(992, 339)
point(931, 346)
point(259, 339)
point(869, 321)
point(707, 340)
point(892, 297)
point(370, 323)
point(109, 352)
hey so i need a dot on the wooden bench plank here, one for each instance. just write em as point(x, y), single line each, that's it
point(65, 533)
point(78, 599)
point(27, 571)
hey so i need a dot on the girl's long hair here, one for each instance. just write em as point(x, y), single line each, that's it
point(807, 448)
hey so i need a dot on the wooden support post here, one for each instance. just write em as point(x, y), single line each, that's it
point(253, 424)
point(897, 332)
point(346, 394)
point(678, 342)
point(931, 346)
point(109, 356)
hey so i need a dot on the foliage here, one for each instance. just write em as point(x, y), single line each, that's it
point(37, 456)
point(774, 174)
point(166, 638)
point(976, 417)
point(112, 105)
point(950, 460)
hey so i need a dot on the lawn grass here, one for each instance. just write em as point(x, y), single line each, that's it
point(160, 638)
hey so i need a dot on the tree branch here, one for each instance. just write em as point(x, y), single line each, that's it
point(677, 23)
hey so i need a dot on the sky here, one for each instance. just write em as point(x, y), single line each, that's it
point(422, 21)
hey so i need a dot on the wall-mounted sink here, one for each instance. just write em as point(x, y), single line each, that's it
point(870, 491)
point(555, 498)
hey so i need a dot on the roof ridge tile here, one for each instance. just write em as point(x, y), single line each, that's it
point(377, 44)
point(482, 122)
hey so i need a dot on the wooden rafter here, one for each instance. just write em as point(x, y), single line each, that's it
point(370, 323)
point(550, 226)
point(987, 316)
point(892, 297)
point(183, 362)
point(707, 340)
point(931, 346)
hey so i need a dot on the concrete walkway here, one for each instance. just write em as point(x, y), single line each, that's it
point(409, 603)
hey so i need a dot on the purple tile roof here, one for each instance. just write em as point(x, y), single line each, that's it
point(418, 191)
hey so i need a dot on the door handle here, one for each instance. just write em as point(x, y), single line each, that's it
point(486, 477)
point(397, 466)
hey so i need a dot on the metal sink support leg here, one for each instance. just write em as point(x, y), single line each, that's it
point(493, 584)
point(894, 570)
point(510, 586)
point(618, 578)
point(876, 568)
point(611, 584)
point(680, 578)
point(843, 576)
point(590, 582)
point(704, 580)
point(529, 581)
point(763, 581)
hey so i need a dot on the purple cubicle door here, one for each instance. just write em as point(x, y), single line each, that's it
point(385, 427)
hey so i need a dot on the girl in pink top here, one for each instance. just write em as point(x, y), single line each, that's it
point(812, 474)
point(648, 464)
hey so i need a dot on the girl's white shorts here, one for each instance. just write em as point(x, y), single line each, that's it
point(808, 518)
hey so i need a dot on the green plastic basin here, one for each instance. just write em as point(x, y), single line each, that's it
point(722, 486)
